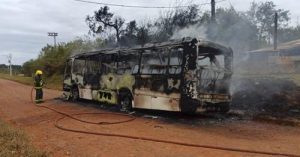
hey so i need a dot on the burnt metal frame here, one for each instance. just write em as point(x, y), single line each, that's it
point(189, 47)
point(186, 43)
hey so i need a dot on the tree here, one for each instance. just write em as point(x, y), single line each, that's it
point(103, 19)
point(262, 15)
point(129, 36)
point(288, 34)
point(28, 68)
point(232, 28)
point(143, 34)
point(170, 21)
point(185, 17)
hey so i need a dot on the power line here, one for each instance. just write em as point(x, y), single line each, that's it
point(140, 6)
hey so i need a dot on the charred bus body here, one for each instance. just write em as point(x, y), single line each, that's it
point(183, 75)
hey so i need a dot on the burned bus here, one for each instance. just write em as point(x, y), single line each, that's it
point(180, 75)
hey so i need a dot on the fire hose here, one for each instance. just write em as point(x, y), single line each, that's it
point(131, 118)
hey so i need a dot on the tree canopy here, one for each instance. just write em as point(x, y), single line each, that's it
point(243, 31)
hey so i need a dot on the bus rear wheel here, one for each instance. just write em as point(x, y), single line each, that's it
point(75, 94)
point(189, 106)
point(125, 103)
point(224, 107)
point(218, 107)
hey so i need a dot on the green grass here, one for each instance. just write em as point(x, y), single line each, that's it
point(54, 82)
point(14, 143)
point(20, 79)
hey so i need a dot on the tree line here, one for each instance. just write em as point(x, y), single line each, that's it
point(5, 68)
point(242, 30)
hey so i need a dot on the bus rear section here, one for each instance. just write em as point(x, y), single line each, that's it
point(99, 76)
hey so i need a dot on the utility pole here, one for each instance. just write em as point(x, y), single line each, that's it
point(213, 11)
point(9, 58)
point(53, 34)
point(275, 30)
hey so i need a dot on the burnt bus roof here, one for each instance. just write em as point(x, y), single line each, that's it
point(212, 47)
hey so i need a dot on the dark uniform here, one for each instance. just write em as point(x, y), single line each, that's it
point(38, 85)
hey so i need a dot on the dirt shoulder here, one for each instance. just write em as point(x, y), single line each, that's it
point(14, 143)
point(17, 109)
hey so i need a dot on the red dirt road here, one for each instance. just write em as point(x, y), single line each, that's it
point(16, 108)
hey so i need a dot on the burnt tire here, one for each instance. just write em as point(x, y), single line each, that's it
point(224, 107)
point(75, 94)
point(188, 107)
point(125, 103)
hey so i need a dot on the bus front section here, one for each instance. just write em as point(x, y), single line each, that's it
point(207, 71)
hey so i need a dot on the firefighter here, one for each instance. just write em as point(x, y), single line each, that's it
point(38, 85)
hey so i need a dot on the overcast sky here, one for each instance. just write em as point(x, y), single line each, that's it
point(25, 23)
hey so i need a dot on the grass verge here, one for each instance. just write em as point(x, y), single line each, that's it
point(14, 143)
point(20, 79)
point(53, 82)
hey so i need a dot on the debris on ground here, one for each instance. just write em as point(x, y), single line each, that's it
point(266, 96)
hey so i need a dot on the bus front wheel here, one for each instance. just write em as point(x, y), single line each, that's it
point(75, 94)
point(125, 103)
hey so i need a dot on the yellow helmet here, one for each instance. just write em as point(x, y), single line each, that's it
point(39, 72)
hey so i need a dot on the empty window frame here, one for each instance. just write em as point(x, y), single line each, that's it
point(127, 62)
point(154, 61)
